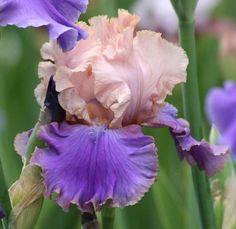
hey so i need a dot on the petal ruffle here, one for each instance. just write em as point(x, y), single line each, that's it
point(71, 72)
point(142, 76)
point(221, 110)
point(92, 165)
point(124, 72)
point(209, 158)
point(21, 141)
point(58, 16)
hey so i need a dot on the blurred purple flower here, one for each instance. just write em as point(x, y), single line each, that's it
point(2, 214)
point(58, 17)
point(221, 111)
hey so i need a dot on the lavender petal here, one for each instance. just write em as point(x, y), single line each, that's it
point(210, 158)
point(93, 165)
point(58, 17)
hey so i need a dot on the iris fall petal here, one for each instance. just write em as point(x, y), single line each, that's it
point(90, 165)
point(209, 158)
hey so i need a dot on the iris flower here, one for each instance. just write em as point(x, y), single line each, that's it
point(57, 16)
point(110, 85)
point(221, 110)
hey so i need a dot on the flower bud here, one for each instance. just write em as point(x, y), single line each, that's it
point(26, 196)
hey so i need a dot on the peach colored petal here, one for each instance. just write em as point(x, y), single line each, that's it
point(79, 59)
point(66, 67)
point(134, 85)
point(46, 69)
point(84, 84)
point(114, 96)
point(70, 101)
point(164, 62)
point(62, 78)
point(50, 50)
point(40, 93)
point(105, 29)
point(113, 75)
point(74, 99)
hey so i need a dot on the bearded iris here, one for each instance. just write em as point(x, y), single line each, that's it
point(57, 16)
point(110, 85)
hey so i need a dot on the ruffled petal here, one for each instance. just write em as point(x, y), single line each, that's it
point(125, 74)
point(142, 75)
point(106, 29)
point(93, 165)
point(58, 16)
point(221, 110)
point(210, 158)
point(21, 141)
point(71, 71)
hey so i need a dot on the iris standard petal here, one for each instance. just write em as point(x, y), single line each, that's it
point(221, 111)
point(58, 16)
point(92, 165)
point(210, 158)
point(134, 84)
point(123, 71)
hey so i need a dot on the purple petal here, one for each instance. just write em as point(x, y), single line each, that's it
point(221, 110)
point(58, 16)
point(90, 165)
point(207, 157)
point(2, 213)
point(21, 141)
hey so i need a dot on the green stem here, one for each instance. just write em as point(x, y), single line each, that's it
point(4, 197)
point(108, 217)
point(192, 112)
point(34, 141)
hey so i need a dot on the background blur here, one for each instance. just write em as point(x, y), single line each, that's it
point(170, 203)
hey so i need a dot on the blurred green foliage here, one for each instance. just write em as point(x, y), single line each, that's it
point(170, 203)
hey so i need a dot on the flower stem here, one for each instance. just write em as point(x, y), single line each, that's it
point(4, 197)
point(89, 221)
point(34, 141)
point(192, 113)
point(108, 217)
